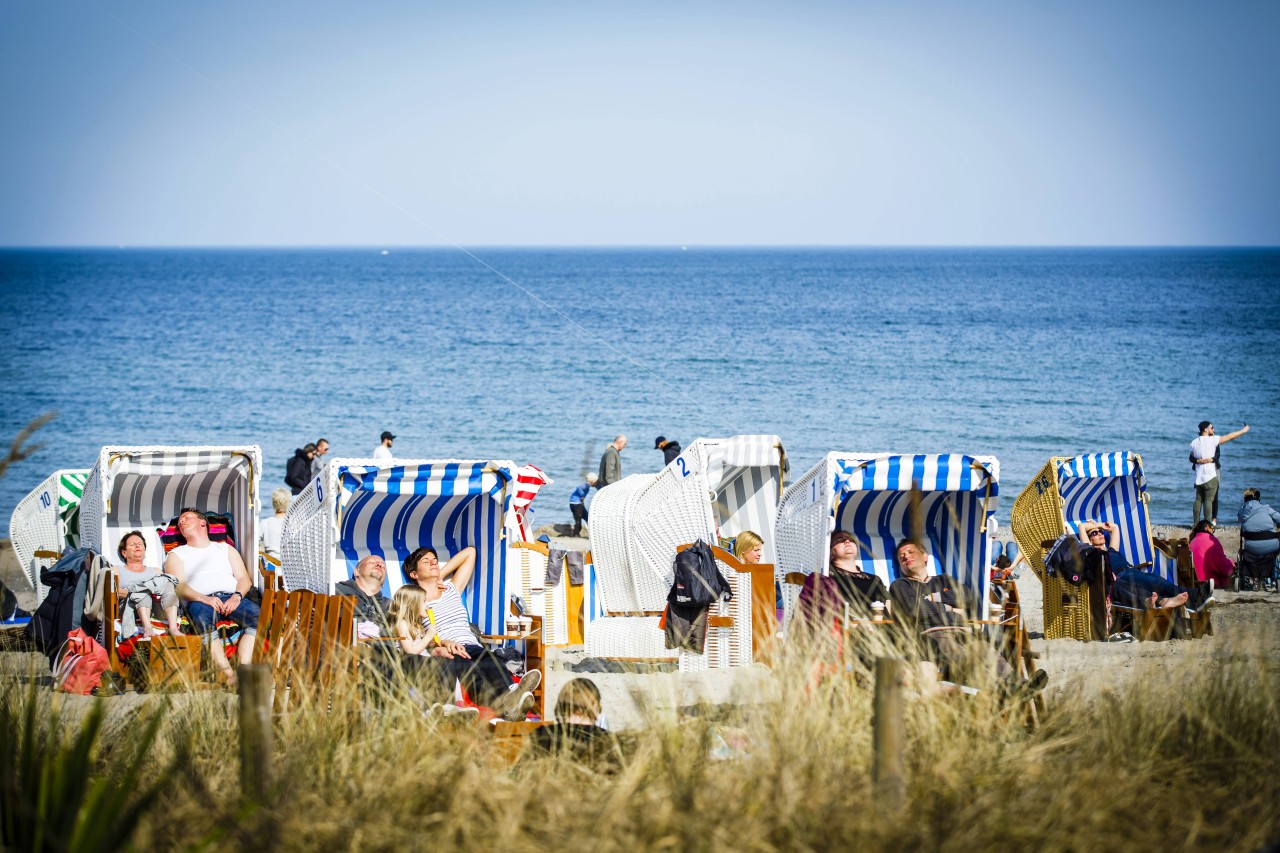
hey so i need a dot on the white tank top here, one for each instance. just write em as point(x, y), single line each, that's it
point(208, 569)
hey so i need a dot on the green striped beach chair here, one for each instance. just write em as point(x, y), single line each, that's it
point(47, 520)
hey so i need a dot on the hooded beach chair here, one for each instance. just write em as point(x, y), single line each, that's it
point(1070, 490)
point(358, 507)
point(144, 488)
point(715, 489)
point(869, 495)
point(47, 520)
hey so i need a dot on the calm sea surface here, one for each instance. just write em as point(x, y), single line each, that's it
point(1023, 354)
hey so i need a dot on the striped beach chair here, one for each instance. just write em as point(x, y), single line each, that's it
point(1069, 490)
point(716, 488)
point(143, 488)
point(869, 495)
point(47, 520)
point(358, 507)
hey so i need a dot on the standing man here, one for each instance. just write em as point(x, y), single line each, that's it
point(298, 472)
point(382, 453)
point(670, 449)
point(1203, 449)
point(317, 464)
point(611, 463)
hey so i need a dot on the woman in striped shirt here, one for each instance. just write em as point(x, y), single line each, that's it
point(483, 676)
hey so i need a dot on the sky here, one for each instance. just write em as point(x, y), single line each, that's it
point(603, 123)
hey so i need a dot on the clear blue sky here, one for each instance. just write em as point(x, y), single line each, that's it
point(601, 123)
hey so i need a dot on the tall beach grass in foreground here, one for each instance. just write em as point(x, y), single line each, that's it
point(1185, 760)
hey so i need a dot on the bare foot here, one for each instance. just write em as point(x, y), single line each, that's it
point(228, 676)
point(175, 631)
point(1173, 603)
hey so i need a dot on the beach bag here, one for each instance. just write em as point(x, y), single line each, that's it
point(81, 666)
point(697, 580)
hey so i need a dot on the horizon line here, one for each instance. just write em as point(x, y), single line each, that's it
point(407, 247)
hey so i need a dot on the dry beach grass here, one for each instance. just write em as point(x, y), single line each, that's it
point(1150, 746)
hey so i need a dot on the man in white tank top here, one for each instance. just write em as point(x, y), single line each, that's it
point(213, 582)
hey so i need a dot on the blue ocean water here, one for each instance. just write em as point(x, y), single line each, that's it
point(1023, 354)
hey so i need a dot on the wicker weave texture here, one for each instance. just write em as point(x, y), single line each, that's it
point(804, 522)
point(307, 539)
point(1037, 517)
point(673, 510)
point(527, 574)
point(609, 543)
point(726, 647)
point(36, 526)
point(626, 637)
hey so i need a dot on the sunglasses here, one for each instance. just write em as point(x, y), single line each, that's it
point(1097, 531)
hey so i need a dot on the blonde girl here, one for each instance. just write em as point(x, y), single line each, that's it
point(748, 547)
point(408, 611)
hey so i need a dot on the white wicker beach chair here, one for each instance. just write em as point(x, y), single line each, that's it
point(714, 488)
point(143, 488)
point(357, 507)
point(869, 496)
point(47, 519)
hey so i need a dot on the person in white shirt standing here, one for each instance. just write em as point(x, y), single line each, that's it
point(212, 580)
point(1204, 447)
point(382, 453)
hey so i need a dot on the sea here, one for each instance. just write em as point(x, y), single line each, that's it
point(542, 356)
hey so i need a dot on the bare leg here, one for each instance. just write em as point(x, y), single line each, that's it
point(218, 655)
point(1171, 603)
point(144, 620)
point(244, 651)
point(171, 616)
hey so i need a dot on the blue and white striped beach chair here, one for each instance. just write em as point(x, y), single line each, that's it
point(1067, 491)
point(47, 519)
point(716, 487)
point(358, 507)
point(869, 495)
point(143, 488)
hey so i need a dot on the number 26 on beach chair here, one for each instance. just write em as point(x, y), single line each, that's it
point(1068, 491)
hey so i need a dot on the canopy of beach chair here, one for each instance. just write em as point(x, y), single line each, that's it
point(143, 488)
point(871, 497)
point(359, 507)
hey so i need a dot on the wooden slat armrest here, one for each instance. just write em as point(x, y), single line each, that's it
point(719, 621)
point(794, 578)
point(541, 547)
point(46, 554)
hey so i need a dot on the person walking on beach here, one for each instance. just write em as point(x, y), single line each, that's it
point(317, 463)
point(611, 463)
point(1204, 449)
point(382, 453)
point(578, 503)
point(298, 472)
point(670, 449)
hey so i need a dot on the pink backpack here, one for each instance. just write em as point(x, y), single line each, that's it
point(81, 666)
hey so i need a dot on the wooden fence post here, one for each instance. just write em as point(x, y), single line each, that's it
point(255, 731)
point(887, 734)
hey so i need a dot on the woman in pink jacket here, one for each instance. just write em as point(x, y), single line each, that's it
point(1210, 560)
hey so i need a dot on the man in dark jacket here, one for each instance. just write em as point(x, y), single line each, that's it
point(366, 586)
point(298, 471)
point(611, 463)
point(670, 449)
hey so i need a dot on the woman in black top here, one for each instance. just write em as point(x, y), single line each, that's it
point(858, 588)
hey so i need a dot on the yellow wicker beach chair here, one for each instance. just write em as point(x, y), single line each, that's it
point(1067, 491)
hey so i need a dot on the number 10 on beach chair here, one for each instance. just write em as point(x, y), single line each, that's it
point(358, 507)
point(47, 520)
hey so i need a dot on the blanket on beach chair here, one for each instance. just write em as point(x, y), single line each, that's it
point(221, 529)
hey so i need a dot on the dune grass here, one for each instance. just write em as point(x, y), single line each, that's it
point(1185, 761)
